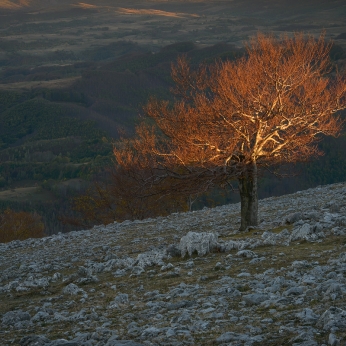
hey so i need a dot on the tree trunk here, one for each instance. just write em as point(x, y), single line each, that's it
point(248, 197)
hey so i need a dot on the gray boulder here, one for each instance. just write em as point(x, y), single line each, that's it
point(230, 336)
point(293, 217)
point(331, 318)
point(202, 243)
point(332, 340)
point(149, 259)
point(294, 291)
point(304, 339)
point(122, 298)
point(234, 245)
point(270, 238)
point(255, 298)
point(342, 257)
point(122, 343)
point(307, 232)
point(257, 260)
point(119, 301)
point(73, 289)
point(63, 342)
point(12, 317)
point(334, 290)
point(246, 253)
point(307, 316)
point(150, 332)
point(34, 340)
point(84, 272)
point(40, 316)
point(136, 270)
point(300, 264)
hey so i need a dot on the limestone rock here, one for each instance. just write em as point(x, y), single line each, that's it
point(307, 316)
point(202, 243)
point(255, 298)
point(307, 232)
point(332, 340)
point(333, 317)
point(293, 217)
point(73, 289)
point(230, 336)
point(246, 253)
point(12, 317)
point(149, 259)
point(123, 343)
point(270, 238)
point(34, 340)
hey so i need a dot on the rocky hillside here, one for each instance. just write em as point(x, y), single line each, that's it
point(128, 284)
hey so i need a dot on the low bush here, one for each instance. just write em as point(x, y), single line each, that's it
point(20, 225)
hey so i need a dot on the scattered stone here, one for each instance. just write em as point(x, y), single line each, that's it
point(230, 336)
point(201, 243)
point(255, 298)
point(246, 253)
point(295, 291)
point(136, 270)
point(307, 316)
point(282, 238)
point(123, 343)
point(332, 340)
point(124, 276)
point(257, 260)
point(293, 217)
point(73, 289)
point(307, 232)
point(331, 318)
point(13, 317)
point(34, 340)
point(150, 259)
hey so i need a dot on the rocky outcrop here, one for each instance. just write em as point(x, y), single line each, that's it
point(201, 243)
point(187, 279)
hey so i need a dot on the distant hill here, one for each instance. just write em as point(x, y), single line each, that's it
point(8, 4)
point(30, 4)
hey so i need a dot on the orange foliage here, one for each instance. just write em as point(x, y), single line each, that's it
point(231, 118)
point(19, 226)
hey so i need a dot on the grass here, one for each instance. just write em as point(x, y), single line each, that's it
point(60, 83)
point(281, 228)
point(22, 194)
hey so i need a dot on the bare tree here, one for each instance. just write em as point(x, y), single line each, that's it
point(230, 119)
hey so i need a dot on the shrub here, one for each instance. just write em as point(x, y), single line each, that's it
point(20, 225)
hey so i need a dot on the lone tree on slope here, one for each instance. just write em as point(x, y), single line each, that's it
point(230, 119)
